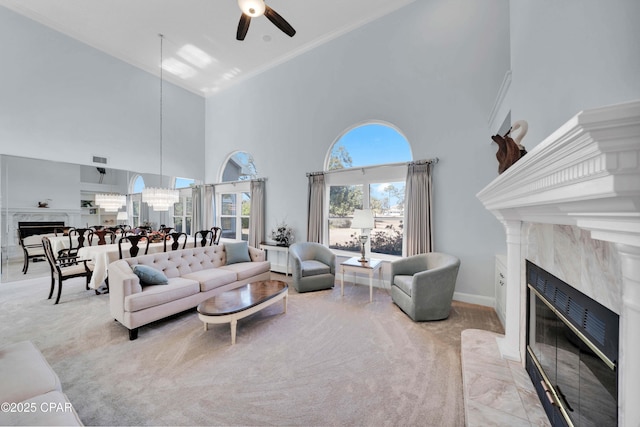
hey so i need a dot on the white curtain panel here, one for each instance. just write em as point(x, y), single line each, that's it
point(418, 216)
point(315, 208)
point(208, 207)
point(196, 206)
point(256, 219)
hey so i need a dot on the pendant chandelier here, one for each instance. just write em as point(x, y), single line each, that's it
point(110, 202)
point(160, 199)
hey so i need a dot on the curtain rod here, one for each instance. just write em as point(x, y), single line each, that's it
point(415, 162)
point(233, 182)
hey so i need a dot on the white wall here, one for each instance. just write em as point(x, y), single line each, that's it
point(569, 56)
point(63, 100)
point(432, 69)
point(29, 181)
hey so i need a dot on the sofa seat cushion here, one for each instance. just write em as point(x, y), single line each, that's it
point(314, 268)
point(404, 283)
point(154, 295)
point(25, 373)
point(212, 278)
point(244, 270)
point(51, 409)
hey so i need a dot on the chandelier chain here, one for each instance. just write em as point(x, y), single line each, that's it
point(161, 40)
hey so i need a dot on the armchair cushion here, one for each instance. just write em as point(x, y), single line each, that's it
point(404, 283)
point(313, 268)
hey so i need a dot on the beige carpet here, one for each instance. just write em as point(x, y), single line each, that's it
point(328, 361)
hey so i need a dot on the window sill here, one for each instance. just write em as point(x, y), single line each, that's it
point(349, 254)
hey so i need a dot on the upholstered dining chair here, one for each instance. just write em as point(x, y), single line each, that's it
point(62, 271)
point(314, 266)
point(134, 250)
point(176, 240)
point(78, 238)
point(422, 285)
point(217, 234)
point(31, 248)
point(203, 237)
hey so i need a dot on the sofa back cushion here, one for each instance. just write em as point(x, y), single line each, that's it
point(182, 262)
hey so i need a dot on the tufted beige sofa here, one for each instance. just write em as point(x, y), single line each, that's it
point(30, 391)
point(194, 275)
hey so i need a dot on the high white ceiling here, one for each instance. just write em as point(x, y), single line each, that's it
point(128, 30)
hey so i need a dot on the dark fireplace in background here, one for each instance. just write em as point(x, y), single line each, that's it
point(572, 352)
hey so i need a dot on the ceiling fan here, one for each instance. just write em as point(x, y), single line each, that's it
point(255, 8)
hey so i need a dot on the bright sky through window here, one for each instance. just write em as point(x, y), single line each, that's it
point(374, 144)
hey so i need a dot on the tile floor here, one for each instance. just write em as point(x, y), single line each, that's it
point(497, 392)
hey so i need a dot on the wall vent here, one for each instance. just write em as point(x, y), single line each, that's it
point(98, 159)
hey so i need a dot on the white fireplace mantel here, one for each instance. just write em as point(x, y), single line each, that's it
point(586, 174)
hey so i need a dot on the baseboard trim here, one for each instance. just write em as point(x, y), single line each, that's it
point(474, 299)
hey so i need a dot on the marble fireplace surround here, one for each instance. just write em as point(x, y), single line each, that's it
point(572, 206)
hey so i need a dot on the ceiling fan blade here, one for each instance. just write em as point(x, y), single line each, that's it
point(279, 21)
point(243, 26)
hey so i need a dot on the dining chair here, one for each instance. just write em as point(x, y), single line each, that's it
point(143, 229)
point(135, 245)
point(62, 271)
point(205, 236)
point(217, 233)
point(174, 238)
point(83, 236)
point(103, 235)
point(31, 248)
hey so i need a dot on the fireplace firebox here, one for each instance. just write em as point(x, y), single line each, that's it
point(572, 352)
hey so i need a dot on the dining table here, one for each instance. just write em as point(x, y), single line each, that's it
point(59, 243)
point(103, 255)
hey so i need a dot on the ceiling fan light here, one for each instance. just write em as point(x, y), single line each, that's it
point(252, 8)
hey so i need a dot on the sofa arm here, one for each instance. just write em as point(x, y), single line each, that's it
point(122, 283)
point(256, 254)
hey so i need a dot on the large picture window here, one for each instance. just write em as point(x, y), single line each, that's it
point(234, 196)
point(182, 212)
point(369, 162)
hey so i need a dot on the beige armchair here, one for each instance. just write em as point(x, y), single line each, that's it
point(422, 285)
point(314, 266)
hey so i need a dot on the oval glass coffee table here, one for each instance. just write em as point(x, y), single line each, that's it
point(235, 304)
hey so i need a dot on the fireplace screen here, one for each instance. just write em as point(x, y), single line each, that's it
point(572, 349)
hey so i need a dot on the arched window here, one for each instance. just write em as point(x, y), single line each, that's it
point(183, 210)
point(136, 187)
point(235, 199)
point(372, 160)
point(239, 167)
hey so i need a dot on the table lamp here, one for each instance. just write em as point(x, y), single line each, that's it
point(363, 219)
point(122, 216)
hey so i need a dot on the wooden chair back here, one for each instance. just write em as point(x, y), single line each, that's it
point(206, 236)
point(135, 241)
point(217, 233)
point(175, 239)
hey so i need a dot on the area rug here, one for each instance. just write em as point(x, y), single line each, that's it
point(329, 361)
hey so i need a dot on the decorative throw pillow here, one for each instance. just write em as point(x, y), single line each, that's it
point(237, 252)
point(150, 276)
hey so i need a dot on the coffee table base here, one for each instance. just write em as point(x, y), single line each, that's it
point(233, 318)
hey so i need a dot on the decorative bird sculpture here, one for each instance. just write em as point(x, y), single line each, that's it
point(510, 150)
